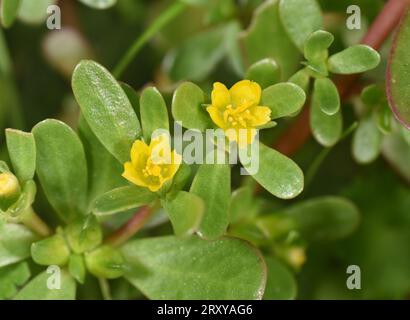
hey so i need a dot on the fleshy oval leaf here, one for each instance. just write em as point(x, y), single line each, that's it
point(300, 18)
point(212, 183)
point(61, 168)
point(153, 112)
point(106, 108)
point(326, 129)
point(192, 268)
point(316, 45)
point(185, 210)
point(22, 152)
point(265, 72)
point(187, 107)
point(283, 99)
point(398, 80)
point(122, 199)
point(327, 96)
point(355, 59)
point(367, 141)
point(278, 174)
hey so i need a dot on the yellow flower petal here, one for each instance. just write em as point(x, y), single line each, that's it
point(260, 116)
point(242, 137)
point(216, 116)
point(245, 92)
point(139, 153)
point(133, 175)
point(220, 96)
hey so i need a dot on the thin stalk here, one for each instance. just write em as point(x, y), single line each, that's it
point(31, 220)
point(161, 21)
point(105, 288)
point(132, 226)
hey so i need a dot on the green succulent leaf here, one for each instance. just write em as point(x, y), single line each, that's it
point(105, 262)
point(397, 82)
point(258, 44)
point(281, 283)
point(106, 108)
point(76, 267)
point(276, 173)
point(367, 141)
point(325, 218)
point(185, 210)
point(154, 113)
point(104, 170)
point(34, 12)
point(326, 129)
point(51, 251)
point(301, 79)
point(212, 183)
point(243, 205)
point(99, 4)
point(84, 234)
point(300, 18)
point(174, 268)
point(22, 152)
point(181, 178)
point(327, 96)
point(15, 242)
point(8, 11)
point(283, 99)
point(61, 168)
point(317, 44)
point(37, 288)
point(122, 199)
point(355, 59)
point(132, 95)
point(187, 107)
point(11, 277)
point(265, 72)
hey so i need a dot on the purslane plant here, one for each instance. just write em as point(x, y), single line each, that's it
point(57, 154)
point(224, 243)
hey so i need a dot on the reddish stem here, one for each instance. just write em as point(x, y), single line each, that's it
point(131, 227)
point(299, 131)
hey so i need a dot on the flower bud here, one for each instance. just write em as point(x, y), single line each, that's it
point(9, 190)
point(84, 234)
point(105, 262)
point(51, 251)
point(76, 267)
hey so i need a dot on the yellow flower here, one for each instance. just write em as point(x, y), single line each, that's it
point(238, 108)
point(151, 166)
point(9, 190)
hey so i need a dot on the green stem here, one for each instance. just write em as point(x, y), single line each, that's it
point(132, 226)
point(31, 220)
point(105, 288)
point(161, 21)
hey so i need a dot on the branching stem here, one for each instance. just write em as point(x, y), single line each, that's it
point(299, 131)
point(132, 226)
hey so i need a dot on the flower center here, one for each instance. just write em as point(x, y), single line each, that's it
point(237, 117)
point(151, 169)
